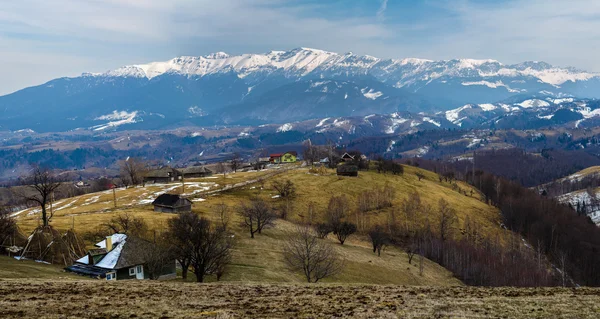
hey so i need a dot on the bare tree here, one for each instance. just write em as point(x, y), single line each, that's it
point(127, 224)
point(157, 254)
point(315, 258)
point(337, 209)
point(256, 215)
point(178, 235)
point(207, 247)
point(222, 210)
point(235, 162)
point(8, 227)
point(133, 170)
point(285, 189)
point(447, 220)
point(420, 175)
point(310, 153)
point(41, 185)
point(379, 238)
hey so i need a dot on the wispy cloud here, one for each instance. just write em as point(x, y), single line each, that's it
point(381, 11)
point(41, 40)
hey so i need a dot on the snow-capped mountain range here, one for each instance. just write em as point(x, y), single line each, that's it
point(280, 87)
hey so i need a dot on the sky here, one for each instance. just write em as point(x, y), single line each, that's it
point(41, 40)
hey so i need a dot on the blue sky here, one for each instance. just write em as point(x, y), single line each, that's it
point(41, 40)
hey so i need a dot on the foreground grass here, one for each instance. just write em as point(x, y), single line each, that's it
point(15, 269)
point(88, 299)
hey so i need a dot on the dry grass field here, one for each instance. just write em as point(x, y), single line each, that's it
point(261, 259)
point(92, 299)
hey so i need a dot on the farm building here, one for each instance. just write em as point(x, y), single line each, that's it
point(120, 257)
point(172, 203)
point(287, 157)
point(163, 175)
point(347, 157)
point(347, 170)
point(196, 171)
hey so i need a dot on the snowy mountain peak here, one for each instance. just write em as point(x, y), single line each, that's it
point(302, 61)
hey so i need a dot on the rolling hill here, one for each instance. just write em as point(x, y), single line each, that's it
point(260, 259)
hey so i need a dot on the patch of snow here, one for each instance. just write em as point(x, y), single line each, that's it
point(371, 94)
point(533, 103)
point(493, 85)
point(487, 107)
point(115, 119)
point(436, 123)
point(322, 122)
point(454, 115)
point(284, 128)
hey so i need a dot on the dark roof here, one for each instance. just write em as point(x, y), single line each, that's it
point(168, 200)
point(346, 155)
point(88, 270)
point(136, 251)
point(347, 168)
point(276, 155)
point(195, 170)
point(163, 172)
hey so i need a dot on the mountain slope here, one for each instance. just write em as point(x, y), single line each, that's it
point(278, 86)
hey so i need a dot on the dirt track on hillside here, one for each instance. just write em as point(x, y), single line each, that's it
point(101, 299)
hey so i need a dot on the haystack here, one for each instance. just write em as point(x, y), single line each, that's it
point(49, 245)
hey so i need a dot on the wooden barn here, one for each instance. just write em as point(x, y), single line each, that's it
point(172, 203)
point(163, 175)
point(196, 171)
point(120, 257)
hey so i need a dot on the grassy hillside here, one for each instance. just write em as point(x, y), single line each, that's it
point(11, 268)
point(260, 259)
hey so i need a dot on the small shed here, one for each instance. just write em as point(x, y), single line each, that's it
point(347, 170)
point(196, 171)
point(172, 203)
point(163, 175)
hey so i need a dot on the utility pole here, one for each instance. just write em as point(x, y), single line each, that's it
point(114, 196)
point(182, 184)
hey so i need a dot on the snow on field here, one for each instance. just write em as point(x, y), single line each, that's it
point(67, 205)
point(533, 103)
point(422, 151)
point(581, 197)
point(91, 200)
point(454, 115)
point(428, 119)
point(198, 199)
point(474, 142)
point(487, 107)
point(284, 128)
point(589, 113)
point(493, 85)
point(115, 119)
point(371, 94)
point(321, 122)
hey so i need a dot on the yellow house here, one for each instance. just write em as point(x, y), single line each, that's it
point(287, 157)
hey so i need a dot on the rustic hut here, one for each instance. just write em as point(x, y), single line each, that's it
point(163, 175)
point(196, 171)
point(172, 203)
point(120, 257)
point(347, 170)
